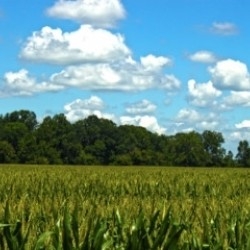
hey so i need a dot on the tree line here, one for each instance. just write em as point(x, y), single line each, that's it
point(99, 141)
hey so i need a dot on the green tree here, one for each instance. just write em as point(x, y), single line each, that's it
point(7, 153)
point(13, 133)
point(14, 128)
point(188, 149)
point(98, 138)
point(136, 143)
point(161, 146)
point(212, 143)
point(51, 138)
point(28, 150)
point(243, 155)
point(229, 159)
point(23, 116)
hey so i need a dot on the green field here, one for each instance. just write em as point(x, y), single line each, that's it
point(47, 207)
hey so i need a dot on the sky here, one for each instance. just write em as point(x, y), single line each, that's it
point(167, 65)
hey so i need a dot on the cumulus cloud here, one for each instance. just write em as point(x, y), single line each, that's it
point(187, 115)
point(153, 63)
point(96, 59)
point(95, 65)
point(224, 28)
point(237, 136)
point(191, 118)
point(230, 74)
point(170, 82)
point(208, 125)
point(203, 56)
point(86, 44)
point(20, 83)
point(142, 107)
point(146, 121)
point(99, 13)
point(93, 103)
point(126, 75)
point(202, 94)
point(243, 124)
point(80, 109)
point(237, 98)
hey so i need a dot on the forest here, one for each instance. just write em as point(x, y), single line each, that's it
point(98, 141)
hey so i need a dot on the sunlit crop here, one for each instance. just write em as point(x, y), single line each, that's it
point(124, 208)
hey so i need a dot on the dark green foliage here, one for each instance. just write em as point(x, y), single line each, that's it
point(28, 118)
point(243, 156)
point(190, 149)
point(212, 142)
point(12, 233)
point(7, 152)
point(98, 141)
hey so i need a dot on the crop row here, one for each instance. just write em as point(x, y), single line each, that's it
point(123, 208)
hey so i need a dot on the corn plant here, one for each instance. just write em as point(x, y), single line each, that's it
point(66, 207)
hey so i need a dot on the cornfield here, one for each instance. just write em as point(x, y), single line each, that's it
point(47, 207)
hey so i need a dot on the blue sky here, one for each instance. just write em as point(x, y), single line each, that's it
point(168, 65)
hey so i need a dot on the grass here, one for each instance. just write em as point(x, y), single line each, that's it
point(66, 207)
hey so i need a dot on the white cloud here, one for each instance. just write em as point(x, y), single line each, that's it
point(20, 83)
point(224, 28)
point(170, 82)
point(203, 94)
point(99, 13)
point(237, 98)
point(203, 56)
point(230, 74)
point(186, 115)
point(123, 75)
point(243, 124)
point(237, 136)
point(154, 63)
point(89, 76)
point(97, 59)
point(143, 107)
point(146, 121)
point(208, 125)
point(80, 109)
point(191, 118)
point(126, 75)
point(93, 103)
point(86, 44)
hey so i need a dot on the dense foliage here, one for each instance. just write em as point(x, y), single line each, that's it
point(124, 208)
point(95, 141)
